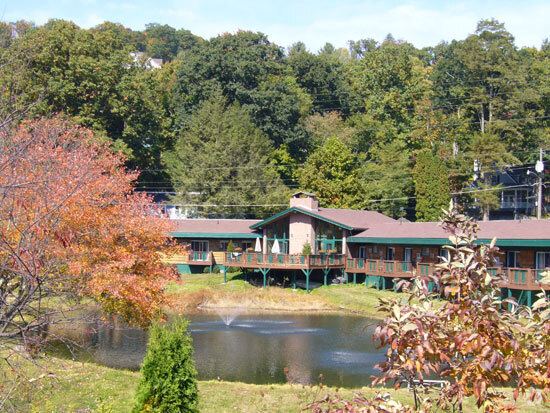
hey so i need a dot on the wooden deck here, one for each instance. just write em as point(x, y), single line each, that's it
point(191, 258)
point(517, 278)
point(284, 261)
point(521, 278)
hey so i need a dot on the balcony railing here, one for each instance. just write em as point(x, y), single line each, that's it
point(520, 278)
point(379, 267)
point(190, 257)
point(285, 261)
point(514, 204)
point(524, 278)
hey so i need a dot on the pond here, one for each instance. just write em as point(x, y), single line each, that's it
point(258, 348)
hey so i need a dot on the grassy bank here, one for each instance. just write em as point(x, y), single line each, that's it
point(208, 291)
point(67, 386)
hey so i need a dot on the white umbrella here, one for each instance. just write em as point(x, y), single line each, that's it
point(258, 247)
point(276, 249)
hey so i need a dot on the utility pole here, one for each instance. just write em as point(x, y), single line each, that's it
point(539, 167)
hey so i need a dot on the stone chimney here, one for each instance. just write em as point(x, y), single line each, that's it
point(305, 200)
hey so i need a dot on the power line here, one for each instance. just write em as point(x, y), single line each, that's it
point(464, 192)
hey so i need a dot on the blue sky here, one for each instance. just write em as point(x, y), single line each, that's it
point(422, 22)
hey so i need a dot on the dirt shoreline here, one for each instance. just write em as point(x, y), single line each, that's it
point(272, 300)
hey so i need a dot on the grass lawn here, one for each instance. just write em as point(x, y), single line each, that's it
point(209, 291)
point(68, 386)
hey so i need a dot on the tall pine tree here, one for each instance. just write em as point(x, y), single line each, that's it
point(223, 159)
point(431, 186)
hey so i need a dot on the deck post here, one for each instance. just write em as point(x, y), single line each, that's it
point(325, 272)
point(264, 272)
point(520, 299)
point(225, 274)
point(529, 298)
point(347, 276)
point(355, 278)
point(245, 273)
point(307, 273)
point(294, 280)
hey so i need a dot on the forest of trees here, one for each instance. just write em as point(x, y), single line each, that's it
point(239, 120)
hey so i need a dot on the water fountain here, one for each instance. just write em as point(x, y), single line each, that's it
point(228, 317)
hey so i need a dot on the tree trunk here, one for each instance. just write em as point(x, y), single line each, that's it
point(482, 118)
point(485, 209)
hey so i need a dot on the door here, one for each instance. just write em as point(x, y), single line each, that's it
point(362, 253)
point(200, 250)
point(390, 253)
point(408, 255)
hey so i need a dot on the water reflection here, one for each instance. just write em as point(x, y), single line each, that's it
point(257, 348)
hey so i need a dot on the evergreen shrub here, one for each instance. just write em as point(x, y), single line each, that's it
point(168, 382)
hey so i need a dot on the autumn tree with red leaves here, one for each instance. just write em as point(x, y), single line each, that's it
point(72, 228)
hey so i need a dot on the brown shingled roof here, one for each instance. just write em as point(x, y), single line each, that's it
point(215, 226)
point(356, 219)
point(525, 229)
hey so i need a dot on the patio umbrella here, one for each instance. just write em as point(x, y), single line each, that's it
point(258, 247)
point(276, 249)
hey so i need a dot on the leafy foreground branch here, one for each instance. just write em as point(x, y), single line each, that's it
point(474, 340)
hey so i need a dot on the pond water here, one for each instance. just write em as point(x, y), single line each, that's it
point(256, 348)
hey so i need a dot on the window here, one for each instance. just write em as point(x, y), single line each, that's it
point(199, 246)
point(246, 245)
point(512, 259)
point(425, 252)
point(223, 245)
point(542, 260)
point(375, 249)
point(444, 253)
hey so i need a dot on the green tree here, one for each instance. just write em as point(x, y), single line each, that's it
point(431, 186)
point(391, 78)
point(332, 172)
point(249, 70)
point(223, 159)
point(323, 77)
point(284, 164)
point(387, 178)
point(329, 125)
point(165, 42)
point(490, 156)
point(498, 90)
point(89, 75)
point(168, 382)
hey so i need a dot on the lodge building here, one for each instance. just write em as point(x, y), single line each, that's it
point(360, 246)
